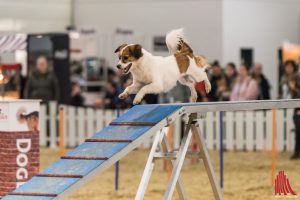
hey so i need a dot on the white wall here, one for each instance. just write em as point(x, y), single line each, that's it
point(148, 18)
point(261, 25)
point(33, 16)
point(217, 29)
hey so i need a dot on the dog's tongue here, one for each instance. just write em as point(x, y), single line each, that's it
point(122, 71)
point(126, 69)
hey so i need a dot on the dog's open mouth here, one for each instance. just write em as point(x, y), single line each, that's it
point(126, 69)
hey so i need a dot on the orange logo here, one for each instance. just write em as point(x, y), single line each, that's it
point(282, 185)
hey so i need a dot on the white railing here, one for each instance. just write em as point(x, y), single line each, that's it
point(249, 130)
point(79, 123)
point(243, 130)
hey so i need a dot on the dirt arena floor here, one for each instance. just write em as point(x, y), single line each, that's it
point(247, 177)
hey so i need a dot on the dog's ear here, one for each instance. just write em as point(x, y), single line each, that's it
point(137, 51)
point(120, 47)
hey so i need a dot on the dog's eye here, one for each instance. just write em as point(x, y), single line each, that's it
point(125, 57)
point(119, 57)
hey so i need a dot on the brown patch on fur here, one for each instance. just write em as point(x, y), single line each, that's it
point(183, 62)
point(182, 56)
point(120, 48)
point(200, 61)
point(131, 53)
point(185, 49)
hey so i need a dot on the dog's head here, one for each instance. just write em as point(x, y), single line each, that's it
point(128, 56)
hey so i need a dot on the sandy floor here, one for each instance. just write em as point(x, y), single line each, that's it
point(247, 176)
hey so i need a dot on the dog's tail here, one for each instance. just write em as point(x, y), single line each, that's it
point(176, 42)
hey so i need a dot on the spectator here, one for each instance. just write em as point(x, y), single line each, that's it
point(99, 103)
point(225, 86)
point(245, 87)
point(113, 88)
point(111, 95)
point(294, 89)
point(262, 82)
point(76, 98)
point(290, 72)
point(215, 77)
point(42, 84)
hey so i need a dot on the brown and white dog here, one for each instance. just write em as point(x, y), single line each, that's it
point(156, 74)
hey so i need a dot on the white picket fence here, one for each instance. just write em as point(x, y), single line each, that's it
point(250, 130)
point(245, 131)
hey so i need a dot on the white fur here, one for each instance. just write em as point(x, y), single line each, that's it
point(172, 39)
point(156, 74)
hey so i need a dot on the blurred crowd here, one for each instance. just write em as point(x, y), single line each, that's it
point(237, 84)
point(43, 84)
point(229, 83)
point(249, 82)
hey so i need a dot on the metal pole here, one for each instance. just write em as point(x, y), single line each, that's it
point(61, 131)
point(117, 177)
point(179, 186)
point(149, 167)
point(207, 162)
point(117, 166)
point(221, 151)
point(178, 163)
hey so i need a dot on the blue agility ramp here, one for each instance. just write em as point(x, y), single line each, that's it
point(122, 136)
point(96, 154)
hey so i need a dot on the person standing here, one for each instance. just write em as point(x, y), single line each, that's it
point(245, 87)
point(42, 84)
point(225, 86)
point(76, 97)
point(263, 83)
point(294, 89)
point(216, 76)
point(290, 72)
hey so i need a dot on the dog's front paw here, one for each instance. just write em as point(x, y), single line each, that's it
point(123, 95)
point(207, 86)
point(137, 101)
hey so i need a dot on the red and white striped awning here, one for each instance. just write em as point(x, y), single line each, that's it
point(11, 43)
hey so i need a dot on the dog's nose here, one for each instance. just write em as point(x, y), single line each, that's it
point(119, 66)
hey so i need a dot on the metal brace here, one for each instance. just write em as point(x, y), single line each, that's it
point(176, 160)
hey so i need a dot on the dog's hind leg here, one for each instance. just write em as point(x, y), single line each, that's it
point(151, 88)
point(207, 83)
point(189, 81)
point(201, 75)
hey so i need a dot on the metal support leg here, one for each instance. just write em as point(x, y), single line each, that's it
point(180, 189)
point(149, 167)
point(160, 140)
point(178, 163)
point(207, 163)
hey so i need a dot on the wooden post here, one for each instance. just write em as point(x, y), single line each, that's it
point(167, 166)
point(274, 125)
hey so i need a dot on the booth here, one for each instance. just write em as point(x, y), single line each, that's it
point(19, 143)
